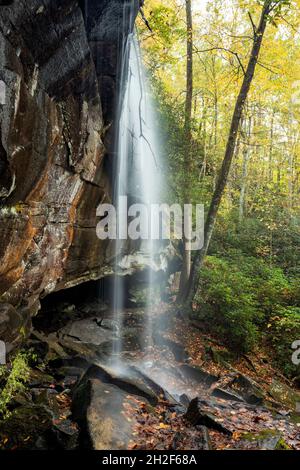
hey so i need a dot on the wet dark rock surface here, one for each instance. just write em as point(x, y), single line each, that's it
point(59, 67)
point(97, 407)
point(11, 323)
point(197, 417)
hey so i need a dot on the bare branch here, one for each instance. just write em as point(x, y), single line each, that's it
point(223, 49)
point(270, 7)
point(288, 23)
point(235, 36)
point(266, 67)
point(141, 118)
point(252, 23)
point(145, 20)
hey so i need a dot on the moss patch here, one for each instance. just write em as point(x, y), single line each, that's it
point(268, 439)
point(24, 426)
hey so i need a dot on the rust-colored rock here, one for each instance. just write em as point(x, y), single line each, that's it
point(53, 173)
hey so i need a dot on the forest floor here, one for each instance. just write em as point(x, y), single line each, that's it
point(182, 391)
point(267, 418)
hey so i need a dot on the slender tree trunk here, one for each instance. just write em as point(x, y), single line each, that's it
point(271, 148)
point(244, 184)
point(246, 155)
point(293, 138)
point(203, 132)
point(229, 152)
point(186, 262)
point(291, 178)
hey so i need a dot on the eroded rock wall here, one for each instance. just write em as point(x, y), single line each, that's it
point(59, 62)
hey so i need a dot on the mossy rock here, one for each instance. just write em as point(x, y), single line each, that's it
point(24, 426)
point(220, 356)
point(248, 389)
point(38, 377)
point(284, 394)
point(295, 417)
point(47, 397)
point(268, 439)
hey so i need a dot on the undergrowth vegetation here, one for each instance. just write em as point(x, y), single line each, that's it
point(13, 379)
point(247, 298)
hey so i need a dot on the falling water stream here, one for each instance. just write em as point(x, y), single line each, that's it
point(138, 177)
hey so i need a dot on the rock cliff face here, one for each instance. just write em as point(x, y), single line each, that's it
point(59, 63)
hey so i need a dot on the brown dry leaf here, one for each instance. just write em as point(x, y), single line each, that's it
point(132, 446)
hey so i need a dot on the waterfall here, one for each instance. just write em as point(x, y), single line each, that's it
point(137, 175)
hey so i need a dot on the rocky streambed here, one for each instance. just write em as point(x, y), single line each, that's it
point(160, 398)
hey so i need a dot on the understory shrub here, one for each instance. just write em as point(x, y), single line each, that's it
point(226, 304)
point(276, 242)
point(240, 296)
point(283, 329)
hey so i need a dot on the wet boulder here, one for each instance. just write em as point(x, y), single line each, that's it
point(106, 402)
point(157, 389)
point(105, 414)
point(88, 338)
point(65, 434)
point(177, 349)
point(125, 378)
point(87, 331)
point(199, 375)
point(247, 389)
point(226, 395)
point(197, 416)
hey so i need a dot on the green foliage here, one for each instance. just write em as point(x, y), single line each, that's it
point(164, 22)
point(13, 379)
point(273, 237)
point(278, 8)
point(226, 304)
point(283, 330)
point(173, 134)
point(239, 295)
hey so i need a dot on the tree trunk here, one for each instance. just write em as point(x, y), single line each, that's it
point(246, 155)
point(244, 184)
point(186, 262)
point(229, 152)
point(271, 148)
